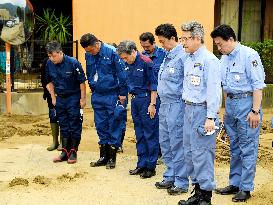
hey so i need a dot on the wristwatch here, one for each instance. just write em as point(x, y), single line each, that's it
point(153, 104)
point(255, 112)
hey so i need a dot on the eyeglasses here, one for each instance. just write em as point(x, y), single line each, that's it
point(183, 39)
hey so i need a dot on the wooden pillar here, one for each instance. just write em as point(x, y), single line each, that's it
point(8, 80)
point(268, 21)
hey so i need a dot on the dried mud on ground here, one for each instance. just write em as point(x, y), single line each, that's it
point(28, 176)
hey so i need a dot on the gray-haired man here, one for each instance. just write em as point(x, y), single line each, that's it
point(142, 85)
point(201, 92)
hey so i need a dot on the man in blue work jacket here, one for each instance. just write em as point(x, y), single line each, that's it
point(157, 55)
point(243, 81)
point(202, 94)
point(151, 50)
point(142, 85)
point(171, 111)
point(107, 80)
point(66, 84)
point(54, 124)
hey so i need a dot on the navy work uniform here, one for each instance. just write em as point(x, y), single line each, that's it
point(66, 78)
point(157, 57)
point(46, 96)
point(201, 92)
point(242, 73)
point(171, 117)
point(141, 81)
point(107, 80)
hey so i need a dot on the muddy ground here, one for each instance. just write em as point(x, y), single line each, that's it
point(28, 176)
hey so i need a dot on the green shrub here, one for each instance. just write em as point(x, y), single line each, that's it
point(265, 50)
point(52, 27)
point(267, 96)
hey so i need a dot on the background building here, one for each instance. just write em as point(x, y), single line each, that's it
point(114, 21)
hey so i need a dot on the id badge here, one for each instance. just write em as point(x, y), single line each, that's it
point(171, 70)
point(96, 77)
point(195, 80)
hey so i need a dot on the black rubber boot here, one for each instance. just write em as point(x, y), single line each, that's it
point(104, 156)
point(55, 135)
point(194, 199)
point(73, 151)
point(111, 164)
point(65, 151)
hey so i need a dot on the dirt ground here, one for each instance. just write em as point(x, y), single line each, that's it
point(28, 175)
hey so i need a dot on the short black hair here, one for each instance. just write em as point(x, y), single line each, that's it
point(53, 46)
point(166, 30)
point(147, 36)
point(88, 40)
point(224, 31)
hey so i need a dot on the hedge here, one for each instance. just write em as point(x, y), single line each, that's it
point(265, 50)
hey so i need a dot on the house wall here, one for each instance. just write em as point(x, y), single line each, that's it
point(115, 20)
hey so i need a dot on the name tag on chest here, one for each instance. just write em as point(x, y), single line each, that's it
point(96, 76)
point(195, 80)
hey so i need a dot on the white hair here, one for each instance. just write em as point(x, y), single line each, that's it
point(195, 28)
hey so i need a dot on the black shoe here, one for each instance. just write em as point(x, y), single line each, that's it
point(164, 184)
point(205, 197)
point(241, 196)
point(159, 161)
point(204, 203)
point(194, 199)
point(148, 173)
point(120, 150)
point(136, 171)
point(227, 190)
point(174, 190)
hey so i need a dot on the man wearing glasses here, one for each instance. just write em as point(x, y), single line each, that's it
point(201, 92)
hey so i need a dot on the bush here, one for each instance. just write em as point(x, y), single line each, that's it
point(265, 50)
point(52, 27)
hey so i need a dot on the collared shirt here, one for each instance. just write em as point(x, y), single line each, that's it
point(157, 57)
point(242, 70)
point(65, 76)
point(202, 80)
point(171, 74)
point(140, 75)
point(105, 71)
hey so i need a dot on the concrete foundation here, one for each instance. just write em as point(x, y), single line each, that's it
point(28, 103)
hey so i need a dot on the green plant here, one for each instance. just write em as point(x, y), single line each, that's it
point(52, 27)
point(265, 50)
